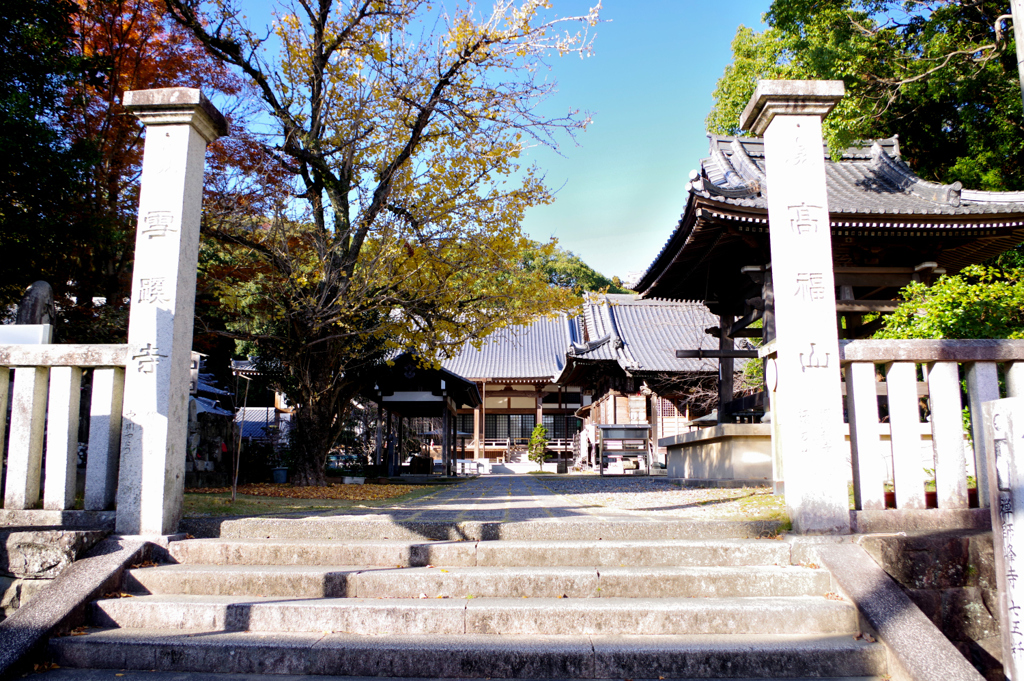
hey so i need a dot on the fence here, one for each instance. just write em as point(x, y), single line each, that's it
point(874, 368)
point(45, 407)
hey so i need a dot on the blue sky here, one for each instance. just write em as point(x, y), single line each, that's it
point(648, 87)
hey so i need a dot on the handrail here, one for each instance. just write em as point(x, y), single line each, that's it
point(71, 355)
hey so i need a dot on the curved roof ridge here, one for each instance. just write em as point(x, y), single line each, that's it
point(736, 185)
point(981, 196)
point(746, 166)
point(897, 172)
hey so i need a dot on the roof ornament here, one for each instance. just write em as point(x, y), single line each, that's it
point(903, 177)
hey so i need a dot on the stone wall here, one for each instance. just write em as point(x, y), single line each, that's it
point(950, 576)
point(31, 559)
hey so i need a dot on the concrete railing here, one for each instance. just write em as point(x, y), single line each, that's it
point(45, 407)
point(897, 369)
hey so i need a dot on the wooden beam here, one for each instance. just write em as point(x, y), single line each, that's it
point(716, 354)
point(741, 333)
point(864, 306)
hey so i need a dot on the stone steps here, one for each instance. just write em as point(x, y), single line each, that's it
point(565, 527)
point(678, 608)
point(320, 581)
point(505, 553)
point(128, 675)
point(498, 616)
point(475, 656)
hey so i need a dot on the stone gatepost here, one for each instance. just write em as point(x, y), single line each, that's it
point(1004, 443)
point(804, 362)
point(180, 123)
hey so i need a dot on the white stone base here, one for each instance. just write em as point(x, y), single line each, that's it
point(733, 452)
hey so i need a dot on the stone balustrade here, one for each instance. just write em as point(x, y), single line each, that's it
point(45, 407)
point(896, 369)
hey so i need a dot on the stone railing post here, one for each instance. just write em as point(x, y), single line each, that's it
point(809, 406)
point(180, 123)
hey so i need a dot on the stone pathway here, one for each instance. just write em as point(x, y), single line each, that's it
point(513, 498)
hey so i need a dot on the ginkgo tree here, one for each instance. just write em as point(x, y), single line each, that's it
point(401, 125)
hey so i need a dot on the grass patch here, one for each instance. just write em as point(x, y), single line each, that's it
point(761, 505)
point(540, 472)
point(267, 499)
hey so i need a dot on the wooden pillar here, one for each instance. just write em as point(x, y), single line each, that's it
point(445, 440)
point(401, 439)
point(391, 445)
point(768, 295)
point(477, 432)
point(380, 426)
point(483, 417)
point(725, 367)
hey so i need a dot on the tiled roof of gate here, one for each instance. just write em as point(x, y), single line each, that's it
point(869, 187)
point(533, 351)
point(639, 335)
point(867, 180)
point(643, 335)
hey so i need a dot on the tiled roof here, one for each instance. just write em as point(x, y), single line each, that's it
point(255, 421)
point(643, 335)
point(535, 351)
point(874, 197)
point(866, 181)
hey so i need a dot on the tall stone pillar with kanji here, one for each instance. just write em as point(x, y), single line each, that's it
point(803, 364)
point(180, 123)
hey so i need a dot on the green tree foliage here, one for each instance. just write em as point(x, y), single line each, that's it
point(932, 71)
point(41, 173)
point(538, 445)
point(567, 270)
point(979, 302)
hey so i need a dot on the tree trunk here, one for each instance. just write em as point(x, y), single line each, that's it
point(311, 440)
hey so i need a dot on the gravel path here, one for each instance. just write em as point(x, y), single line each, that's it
point(657, 495)
point(506, 498)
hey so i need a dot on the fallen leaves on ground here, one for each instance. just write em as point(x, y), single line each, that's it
point(346, 492)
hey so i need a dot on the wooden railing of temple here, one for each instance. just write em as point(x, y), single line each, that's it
point(893, 368)
point(45, 407)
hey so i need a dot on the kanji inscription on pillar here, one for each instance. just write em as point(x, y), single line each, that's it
point(153, 290)
point(158, 223)
point(147, 358)
point(1004, 423)
point(811, 286)
point(804, 219)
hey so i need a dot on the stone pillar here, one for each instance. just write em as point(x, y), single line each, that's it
point(809, 408)
point(1004, 442)
point(180, 123)
point(62, 438)
point(25, 453)
point(982, 386)
point(1015, 379)
point(101, 466)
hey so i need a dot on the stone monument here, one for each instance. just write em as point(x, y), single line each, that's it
point(805, 363)
point(180, 123)
point(1004, 426)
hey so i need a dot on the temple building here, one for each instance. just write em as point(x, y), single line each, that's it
point(888, 227)
point(516, 371)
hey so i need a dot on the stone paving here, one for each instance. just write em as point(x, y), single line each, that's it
point(513, 498)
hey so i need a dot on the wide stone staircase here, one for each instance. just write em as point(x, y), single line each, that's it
point(275, 603)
